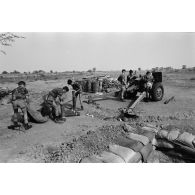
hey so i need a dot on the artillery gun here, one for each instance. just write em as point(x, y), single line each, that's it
point(136, 91)
point(138, 86)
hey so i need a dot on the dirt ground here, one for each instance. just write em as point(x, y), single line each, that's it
point(72, 140)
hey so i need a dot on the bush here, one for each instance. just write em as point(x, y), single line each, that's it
point(4, 72)
point(15, 72)
point(192, 79)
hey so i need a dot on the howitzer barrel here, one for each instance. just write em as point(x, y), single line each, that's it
point(141, 96)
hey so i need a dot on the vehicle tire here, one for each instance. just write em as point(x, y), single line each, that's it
point(157, 92)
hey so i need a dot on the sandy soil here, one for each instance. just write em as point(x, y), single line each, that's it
point(70, 141)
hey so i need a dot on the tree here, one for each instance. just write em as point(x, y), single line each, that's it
point(16, 72)
point(6, 39)
point(41, 72)
point(90, 71)
point(35, 71)
point(4, 72)
point(51, 71)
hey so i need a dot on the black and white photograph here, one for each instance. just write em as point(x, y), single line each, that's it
point(97, 97)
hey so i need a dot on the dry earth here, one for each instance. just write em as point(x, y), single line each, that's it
point(71, 141)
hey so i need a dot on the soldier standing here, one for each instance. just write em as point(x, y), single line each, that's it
point(77, 90)
point(122, 81)
point(148, 78)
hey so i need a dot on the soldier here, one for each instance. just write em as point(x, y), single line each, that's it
point(130, 78)
point(148, 78)
point(122, 81)
point(77, 90)
point(55, 99)
point(20, 100)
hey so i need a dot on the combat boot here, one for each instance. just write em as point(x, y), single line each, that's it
point(122, 100)
point(14, 126)
point(59, 120)
point(27, 126)
point(63, 118)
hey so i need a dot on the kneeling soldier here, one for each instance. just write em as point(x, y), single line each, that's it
point(20, 100)
point(55, 99)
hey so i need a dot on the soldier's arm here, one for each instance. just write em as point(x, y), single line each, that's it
point(62, 99)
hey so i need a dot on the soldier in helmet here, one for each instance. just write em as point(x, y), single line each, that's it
point(20, 100)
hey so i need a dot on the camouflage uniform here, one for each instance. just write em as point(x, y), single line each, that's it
point(19, 100)
point(54, 98)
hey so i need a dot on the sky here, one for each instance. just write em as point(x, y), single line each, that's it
point(105, 51)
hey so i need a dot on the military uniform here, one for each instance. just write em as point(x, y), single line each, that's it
point(130, 79)
point(77, 90)
point(19, 100)
point(148, 78)
point(122, 81)
point(54, 98)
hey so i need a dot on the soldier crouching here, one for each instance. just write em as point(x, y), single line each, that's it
point(55, 100)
